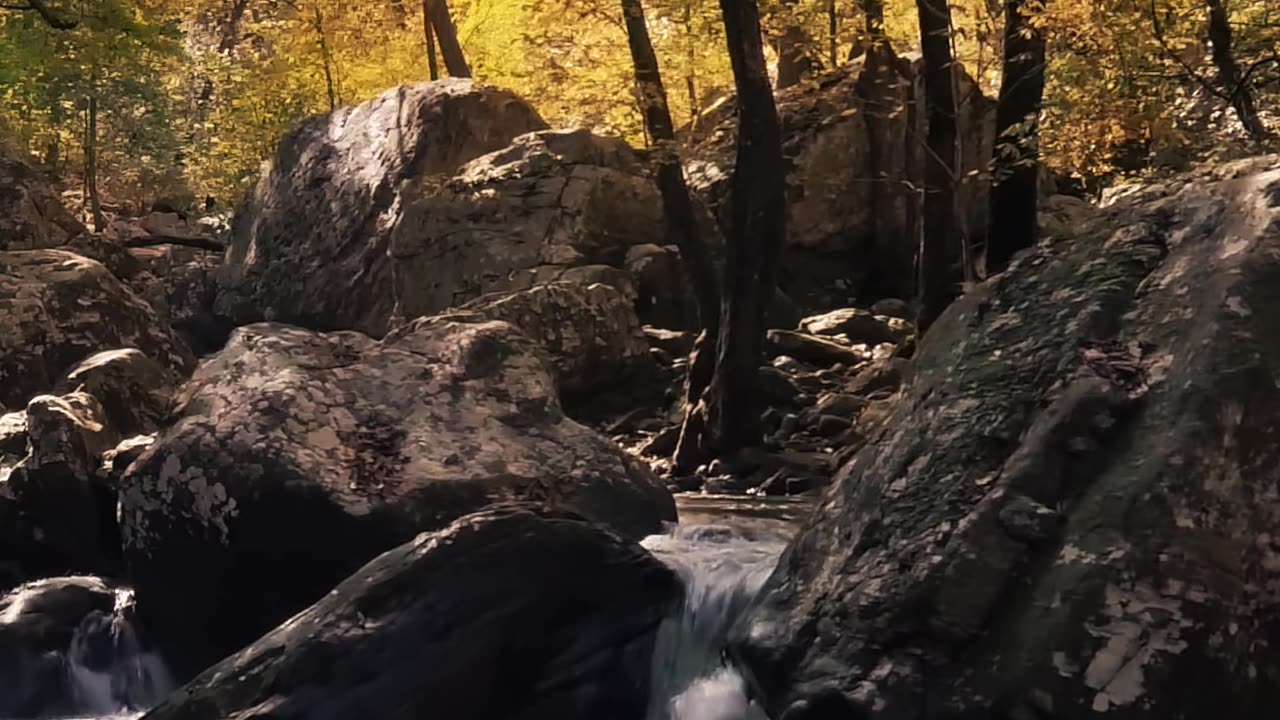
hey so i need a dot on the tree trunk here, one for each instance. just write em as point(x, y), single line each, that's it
point(91, 165)
point(428, 33)
point(1233, 81)
point(327, 60)
point(939, 216)
point(677, 208)
point(793, 46)
point(691, 67)
point(728, 418)
point(1016, 155)
point(455, 63)
point(833, 33)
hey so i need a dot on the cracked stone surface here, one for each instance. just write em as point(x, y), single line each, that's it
point(297, 456)
point(57, 308)
point(309, 246)
point(32, 216)
point(1072, 512)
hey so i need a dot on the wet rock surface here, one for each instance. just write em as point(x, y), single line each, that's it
point(507, 613)
point(1071, 511)
point(297, 456)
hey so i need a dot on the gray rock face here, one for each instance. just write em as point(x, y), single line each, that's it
point(298, 456)
point(309, 245)
point(591, 331)
point(535, 212)
point(56, 309)
point(1073, 509)
point(32, 216)
point(836, 228)
point(503, 614)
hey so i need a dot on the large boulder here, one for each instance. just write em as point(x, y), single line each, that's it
point(853, 142)
point(297, 456)
point(504, 614)
point(309, 244)
point(32, 215)
point(530, 213)
point(56, 309)
point(1073, 510)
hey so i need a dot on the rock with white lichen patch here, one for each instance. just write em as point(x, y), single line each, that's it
point(297, 456)
point(1072, 511)
point(57, 308)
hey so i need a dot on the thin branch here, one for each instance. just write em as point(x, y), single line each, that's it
point(198, 243)
point(51, 17)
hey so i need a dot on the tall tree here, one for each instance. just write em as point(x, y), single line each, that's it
point(1015, 161)
point(429, 34)
point(91, 162)
point(455, 63)
point(728, 417)
point(677, 208)
point(938, 213)
point(326, 58)
point(1234, 83)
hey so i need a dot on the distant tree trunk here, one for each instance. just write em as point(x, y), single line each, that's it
point(677, 209)
point(833, 33)
point(1233, 81)
point(455, 63)
point(1015, 160)
point(325, 58)
point(794, 60)
point(691, 67)
point(428, 33)
point(728, 418)
point(91, 164)
point(939, 216)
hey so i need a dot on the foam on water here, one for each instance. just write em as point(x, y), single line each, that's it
point(723, 569)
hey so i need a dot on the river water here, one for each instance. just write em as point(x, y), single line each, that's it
point(724, 549)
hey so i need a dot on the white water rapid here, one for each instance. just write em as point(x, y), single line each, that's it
point(105, 672)
point(723, 568)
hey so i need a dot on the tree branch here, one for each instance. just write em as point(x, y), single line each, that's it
point(51, 17)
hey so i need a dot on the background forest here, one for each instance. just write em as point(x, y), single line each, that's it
point(189, 97)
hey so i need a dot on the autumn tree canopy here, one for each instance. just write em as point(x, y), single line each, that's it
point(192, 95)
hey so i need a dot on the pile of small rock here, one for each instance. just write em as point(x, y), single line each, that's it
point(826, 387)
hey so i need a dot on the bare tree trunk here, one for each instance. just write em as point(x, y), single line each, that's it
point(324, 55)
point(1233, 81)
point(728, 418)
point(794, 60)
point(939, 216)
point(433, 67)
point(691, 67)
point(1015, 161)
point(677, 207)
point(455, 63)
point(833, 32)
point(91, 164)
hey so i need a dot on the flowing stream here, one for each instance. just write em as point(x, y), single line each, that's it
point(724, 550)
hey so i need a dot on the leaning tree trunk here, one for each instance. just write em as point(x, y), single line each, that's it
point(939, 216)
point(1234, 83)
point(326, 58)
point(728, 418)
point(429, 34)
point(455, 63)
point(1015, 159)
point(677, 208)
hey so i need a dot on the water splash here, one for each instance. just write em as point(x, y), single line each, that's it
point(723, 569)
point(103, 671)
point(109, 670)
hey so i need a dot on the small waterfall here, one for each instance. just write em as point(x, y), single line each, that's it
point(109, 672)
point(723, 569)
point(103, 671)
